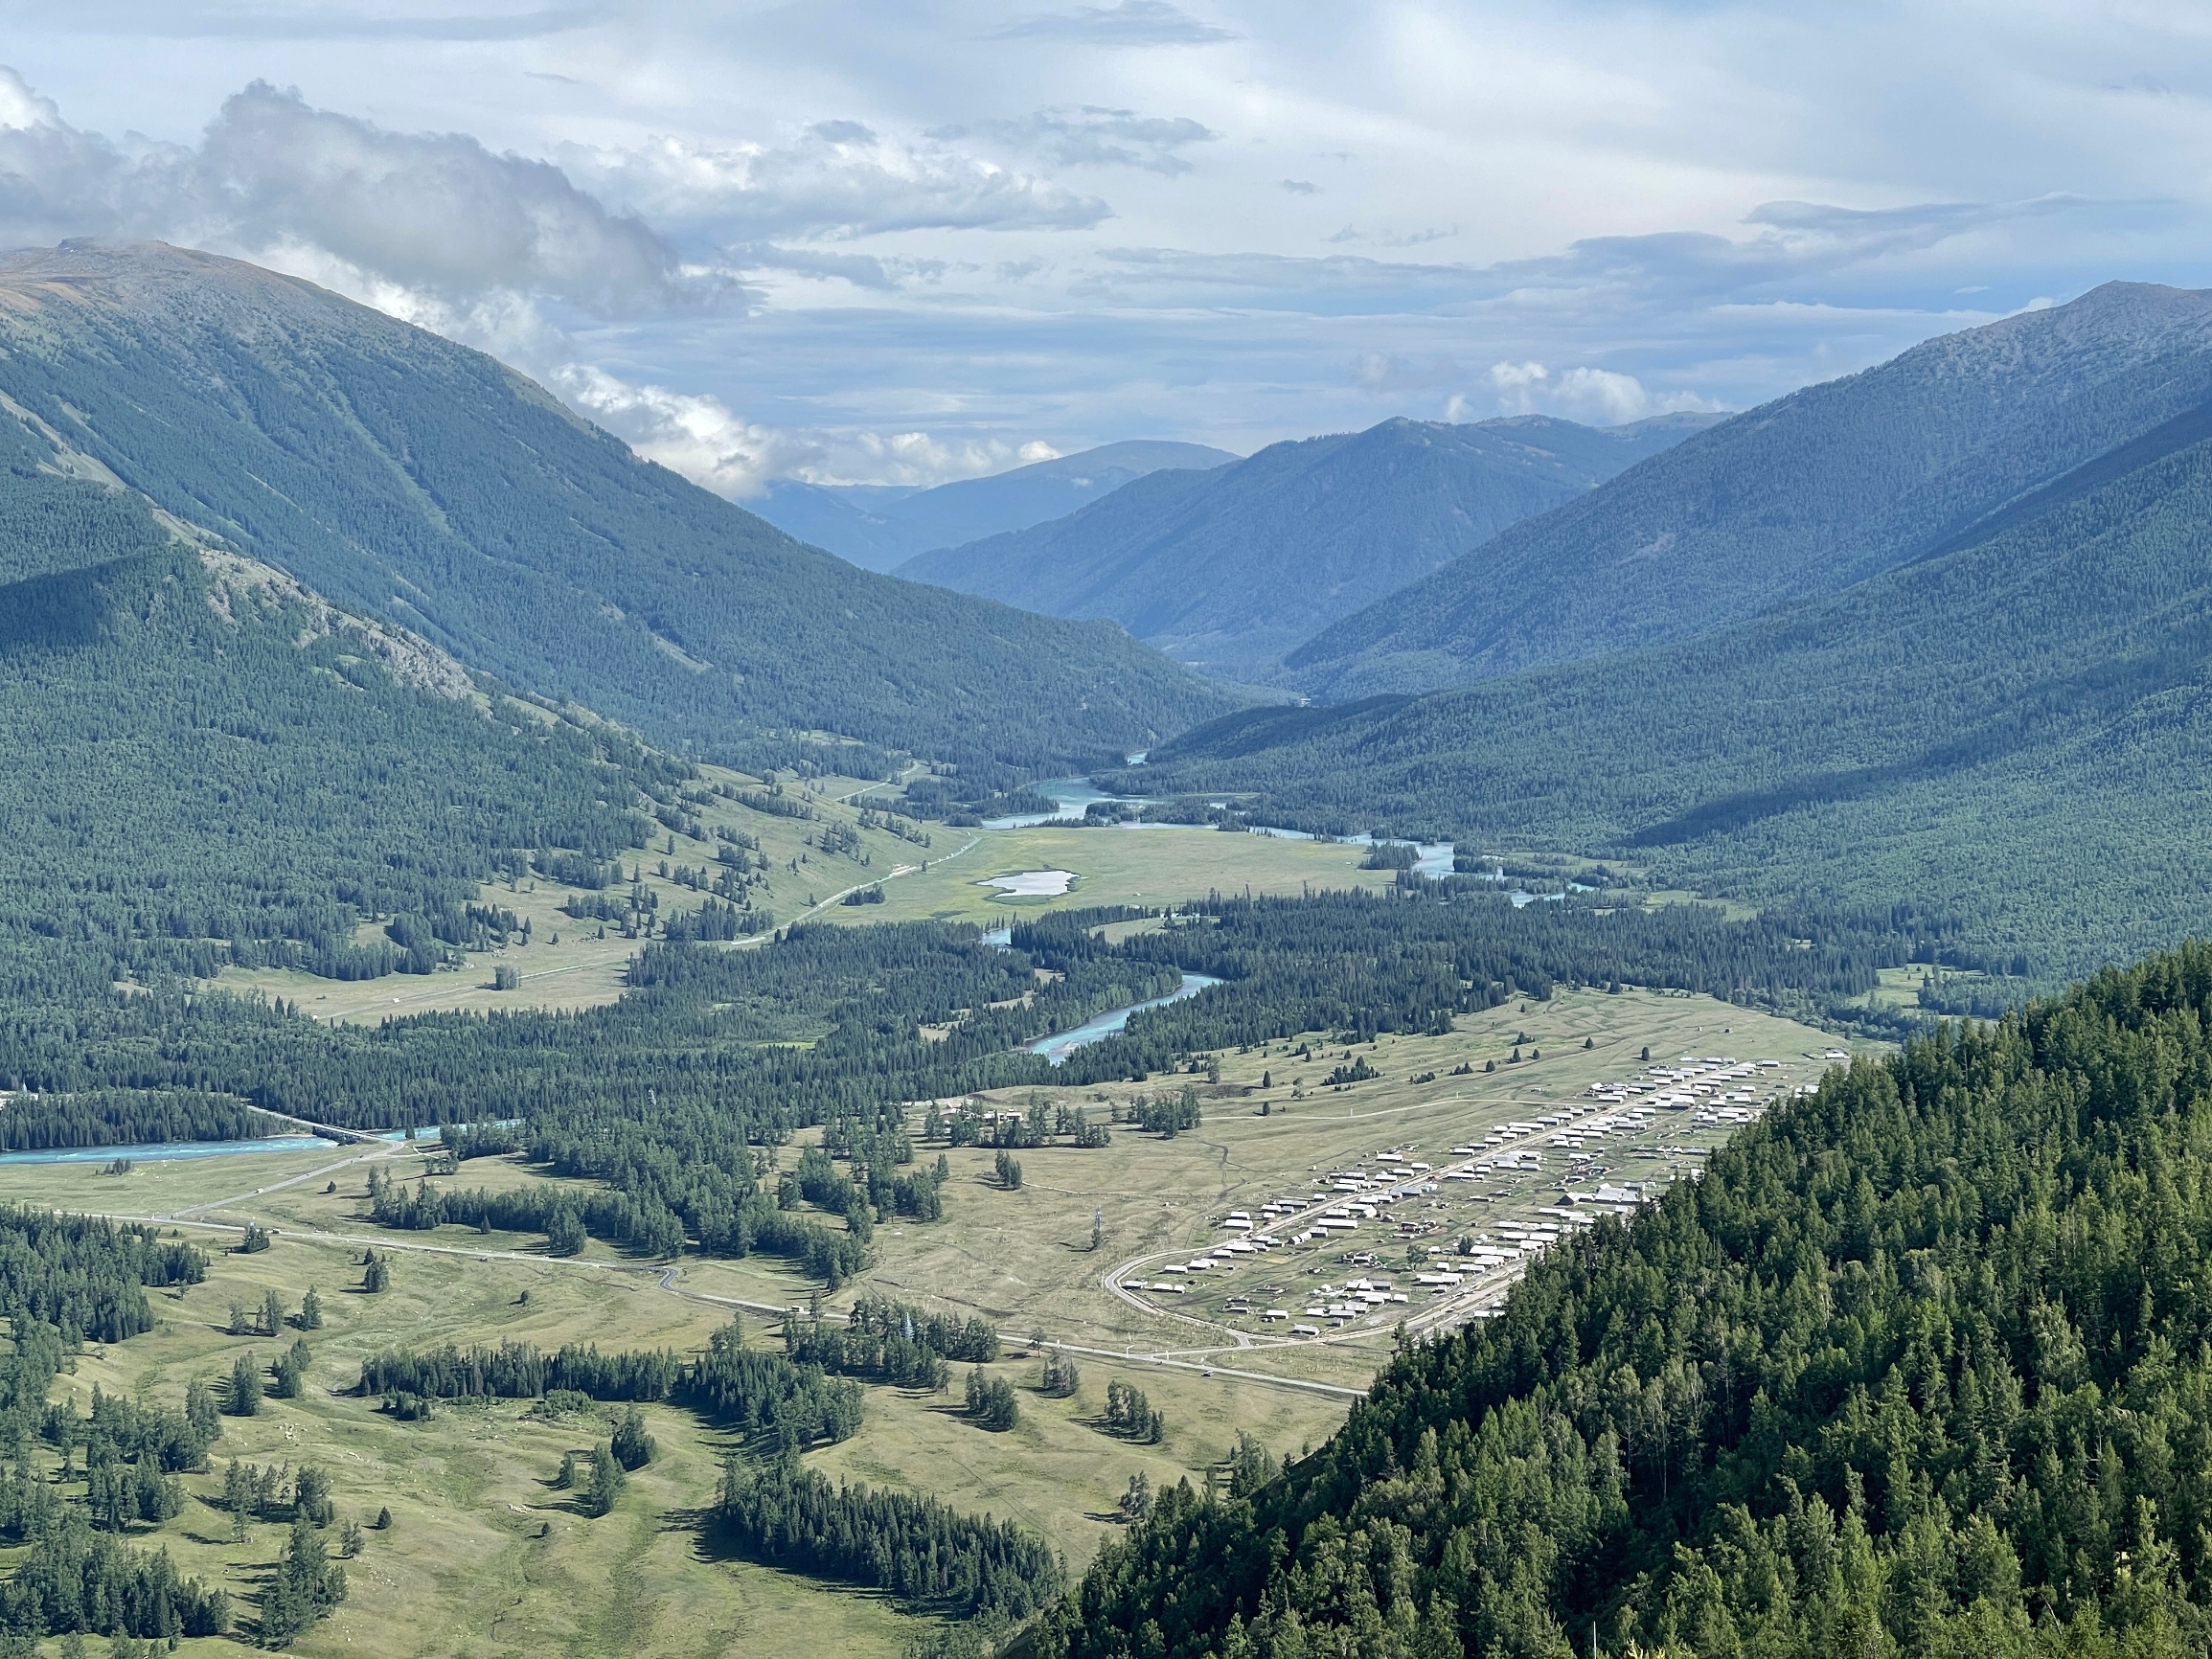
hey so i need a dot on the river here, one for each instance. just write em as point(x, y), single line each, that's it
point(1057, 1049)
point(168, 1151)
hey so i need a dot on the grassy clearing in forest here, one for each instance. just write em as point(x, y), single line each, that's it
point(1024, 1258)
point(567, 965)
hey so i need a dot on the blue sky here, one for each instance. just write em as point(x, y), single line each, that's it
point(861, 242)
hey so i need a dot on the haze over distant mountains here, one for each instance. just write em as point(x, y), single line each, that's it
point(1806, 495)
point(408, 478)
point(1233, 567)
point(878, 526)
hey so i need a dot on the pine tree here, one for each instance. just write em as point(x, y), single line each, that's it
point(604, 1484)
point(291, 1371)
point(632, 1447)
point(311, 1311)
point(245, 1390)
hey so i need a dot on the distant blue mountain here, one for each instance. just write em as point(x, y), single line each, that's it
point(1230, 568)
point(878, 526)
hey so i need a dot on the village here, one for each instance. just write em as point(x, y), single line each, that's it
point(1437, 1241)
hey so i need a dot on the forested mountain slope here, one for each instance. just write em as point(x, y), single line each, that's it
point(878, 526)
point(202, 763)
point(2018, 732)
point(406, 477)
point(1233, 567)
point(1804, 495)
point(1921, 1366)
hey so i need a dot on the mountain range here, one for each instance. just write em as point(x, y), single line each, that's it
point(1231, 567)
point(880, 525)
point(409, 479)
point(1808, 494)
point(2013, 723)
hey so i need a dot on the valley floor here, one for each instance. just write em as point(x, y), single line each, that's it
point(465, 1569)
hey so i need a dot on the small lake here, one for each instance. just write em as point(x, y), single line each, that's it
point(1033, 883)
point(1057, 1049)
point(170, 1151)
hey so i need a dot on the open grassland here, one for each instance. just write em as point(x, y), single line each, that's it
point(1024, 1258)
point(1125, 864)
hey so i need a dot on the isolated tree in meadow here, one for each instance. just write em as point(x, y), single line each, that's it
point(311, 1495)
point(245, 1390)
point(632, 1447)
point(291, 1371)
point(375, 1273)
point(201, 1412)
point(604, 1484)
point(238, 1498)
point(272, 1313)
point(311, 1311)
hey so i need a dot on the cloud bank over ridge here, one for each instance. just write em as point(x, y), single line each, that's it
point(857, 242)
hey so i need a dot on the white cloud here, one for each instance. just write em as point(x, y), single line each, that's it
point(837, 179)
point(701, 438)
point(1130, 23)
point(1594, 396)
point(436, 215)
point(1094, 136)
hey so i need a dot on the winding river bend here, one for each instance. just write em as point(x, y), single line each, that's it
point(1057, 1049)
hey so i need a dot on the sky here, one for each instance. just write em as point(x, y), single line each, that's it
point(893, 241)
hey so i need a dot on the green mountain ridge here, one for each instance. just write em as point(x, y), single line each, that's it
point(1231, 567)
point(2018, 732)
point(406, 477)
point(1808, 494)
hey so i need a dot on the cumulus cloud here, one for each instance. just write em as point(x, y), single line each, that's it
point(1130, 23)
point(1594, 396)
point(435, 214)
point(702, 439)
point(1091, 136)
point(839, 179)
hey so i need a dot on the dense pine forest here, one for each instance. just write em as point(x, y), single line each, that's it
point(254, 799)
point(1922, 1365)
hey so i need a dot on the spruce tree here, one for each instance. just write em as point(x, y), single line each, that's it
point(245, 1389)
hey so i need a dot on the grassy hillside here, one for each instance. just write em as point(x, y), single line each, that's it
point(1233, 567)
point(878, 527)
point(2014, 731)
point(1806, 495)
point(405, 477)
